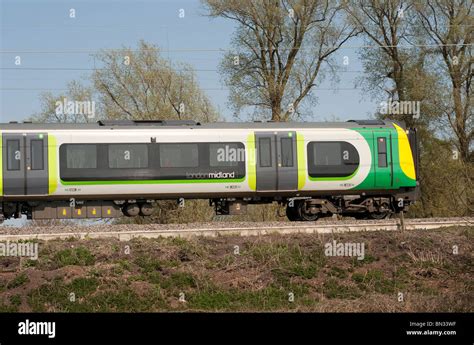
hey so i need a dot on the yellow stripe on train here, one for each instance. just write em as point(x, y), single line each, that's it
point(301, 161)
point(52, 164)
point(405, 154)
point(251, 162)
point(1, 165)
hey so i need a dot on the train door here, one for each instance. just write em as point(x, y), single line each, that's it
point(25, 164)
point(276, 161)
point(383, 159)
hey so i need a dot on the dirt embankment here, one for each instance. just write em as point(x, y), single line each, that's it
point(401, 271)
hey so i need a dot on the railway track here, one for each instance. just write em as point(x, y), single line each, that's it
point(127, 232)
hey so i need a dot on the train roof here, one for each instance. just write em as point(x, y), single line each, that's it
point(171, 124)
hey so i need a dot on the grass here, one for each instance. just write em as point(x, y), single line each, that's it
point(289, 260)
point(79, 256)
point(368, 259)
point(179, 280)
point(333, 289)
point(217, 299)
point(57, 296)
point(262, 277)
point(338, 273)
point(148, 264)
point(82, 287)
point(375, 280)
point(19, 280)
point(5, 308)
point(15, 300)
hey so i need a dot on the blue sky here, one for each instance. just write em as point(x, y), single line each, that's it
point(55, 49)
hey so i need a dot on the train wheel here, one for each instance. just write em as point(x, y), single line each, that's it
point(305, 214)
point(292, 213)
point(382, 213)
point(131, 210)
point(146, 209)
point(379, 215)
point(361, 216)
point(309, 217)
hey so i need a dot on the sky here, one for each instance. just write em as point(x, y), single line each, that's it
point(55, 49)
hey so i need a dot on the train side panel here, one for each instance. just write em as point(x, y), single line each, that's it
point(325, 169)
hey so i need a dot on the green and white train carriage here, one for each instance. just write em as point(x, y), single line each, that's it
point(361, 168)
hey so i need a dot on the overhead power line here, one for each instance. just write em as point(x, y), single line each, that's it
point(204, 89)
point(89, 51)
point(103, 69)
point(84, 69)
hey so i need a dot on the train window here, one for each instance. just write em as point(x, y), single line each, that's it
point(81, 156)
point(265, 152)
point(327, 154)
point(226, 154)
point(128, 156)
point(179, 156)
point(286, 152)
point(332, 159)
point(13, 155)
point(382, 152)
point(37, 154)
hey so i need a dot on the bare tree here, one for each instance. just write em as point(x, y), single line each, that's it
point(280, 47)
point(140, 84)
point(52, 105)
point(449, 25)
point(384, 24)
point(134, 84)
point(394, 61)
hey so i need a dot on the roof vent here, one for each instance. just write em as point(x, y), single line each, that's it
point(148, 123)
point(368, 122)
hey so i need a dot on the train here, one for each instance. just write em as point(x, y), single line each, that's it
point(114, 168)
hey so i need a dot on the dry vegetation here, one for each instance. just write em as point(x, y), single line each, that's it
point(211, 277)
